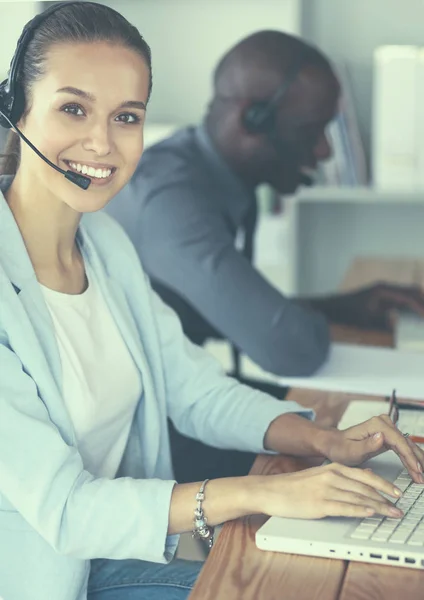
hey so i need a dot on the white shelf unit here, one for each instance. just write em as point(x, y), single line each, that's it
point(330, 227)
point(359, 195)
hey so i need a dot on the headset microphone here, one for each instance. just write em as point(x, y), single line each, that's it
point(306, 180)
point(261, 117)
point(80, 180)
point(288, 153)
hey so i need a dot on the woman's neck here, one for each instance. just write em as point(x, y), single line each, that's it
point(48, 227)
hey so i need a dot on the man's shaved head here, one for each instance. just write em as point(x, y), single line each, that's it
point(256, 66)
point(251, 72)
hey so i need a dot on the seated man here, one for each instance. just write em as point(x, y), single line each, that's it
point(193, 193)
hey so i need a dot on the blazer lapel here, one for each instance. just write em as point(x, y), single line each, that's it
point(33, 329)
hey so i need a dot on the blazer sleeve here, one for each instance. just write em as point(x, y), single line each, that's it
point(206, 404)
point(43, 478)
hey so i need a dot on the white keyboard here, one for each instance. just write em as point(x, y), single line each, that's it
point(409, 530)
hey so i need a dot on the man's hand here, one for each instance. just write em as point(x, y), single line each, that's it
point(371, 307)
point(357, 444)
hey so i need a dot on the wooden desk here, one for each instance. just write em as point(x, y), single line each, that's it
point(237, 570)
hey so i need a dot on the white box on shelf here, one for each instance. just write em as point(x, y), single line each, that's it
point(420, 121)
point(395, 116)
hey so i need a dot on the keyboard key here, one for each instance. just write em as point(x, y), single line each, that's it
point(413, 517)
point(361, 535)
point(380, 537)
point(372, 520)
point(402, 530)
point(415, 541)
point(398, 539)
point(388, 532)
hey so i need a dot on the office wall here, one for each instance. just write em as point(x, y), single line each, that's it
point(188, 37)
point(350, 30)
point(13, 16)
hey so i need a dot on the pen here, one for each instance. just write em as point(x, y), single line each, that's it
point(416, 439)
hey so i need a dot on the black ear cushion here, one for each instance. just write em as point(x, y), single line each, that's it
point(259, 118)
point(18, 106)
point(4, 105)
point(12, 107)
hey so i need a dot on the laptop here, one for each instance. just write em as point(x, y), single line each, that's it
point(375, 539)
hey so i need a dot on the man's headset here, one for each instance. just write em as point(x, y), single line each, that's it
point(261, 117)
point(12, 97)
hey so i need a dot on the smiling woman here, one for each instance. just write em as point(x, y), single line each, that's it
point(78, 89)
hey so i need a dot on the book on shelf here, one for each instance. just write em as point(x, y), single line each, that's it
point(347, 166)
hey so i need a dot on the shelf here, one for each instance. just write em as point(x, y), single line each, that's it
point(366, 194)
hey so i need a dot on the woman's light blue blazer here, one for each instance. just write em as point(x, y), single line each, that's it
point(54, 515)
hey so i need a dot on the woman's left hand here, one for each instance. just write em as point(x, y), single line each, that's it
point(357, 444)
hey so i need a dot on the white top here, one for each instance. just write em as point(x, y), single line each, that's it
point(101, 384)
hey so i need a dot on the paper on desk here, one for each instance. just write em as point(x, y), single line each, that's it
point(367, 370)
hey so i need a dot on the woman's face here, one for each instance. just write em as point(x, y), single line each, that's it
point(87, 112)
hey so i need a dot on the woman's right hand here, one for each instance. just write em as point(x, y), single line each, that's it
point(332, 490)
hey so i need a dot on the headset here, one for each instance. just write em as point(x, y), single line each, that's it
point(12, 97)
point(261, 117)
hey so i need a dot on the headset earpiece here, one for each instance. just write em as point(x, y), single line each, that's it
point(12, 106)
point(261, 117)
point(18, 106)
point(258, 118)
point(3, 105)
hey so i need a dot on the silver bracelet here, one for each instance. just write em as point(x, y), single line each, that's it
point(201, 528)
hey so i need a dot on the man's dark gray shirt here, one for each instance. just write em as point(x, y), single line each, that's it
point(183, 209)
